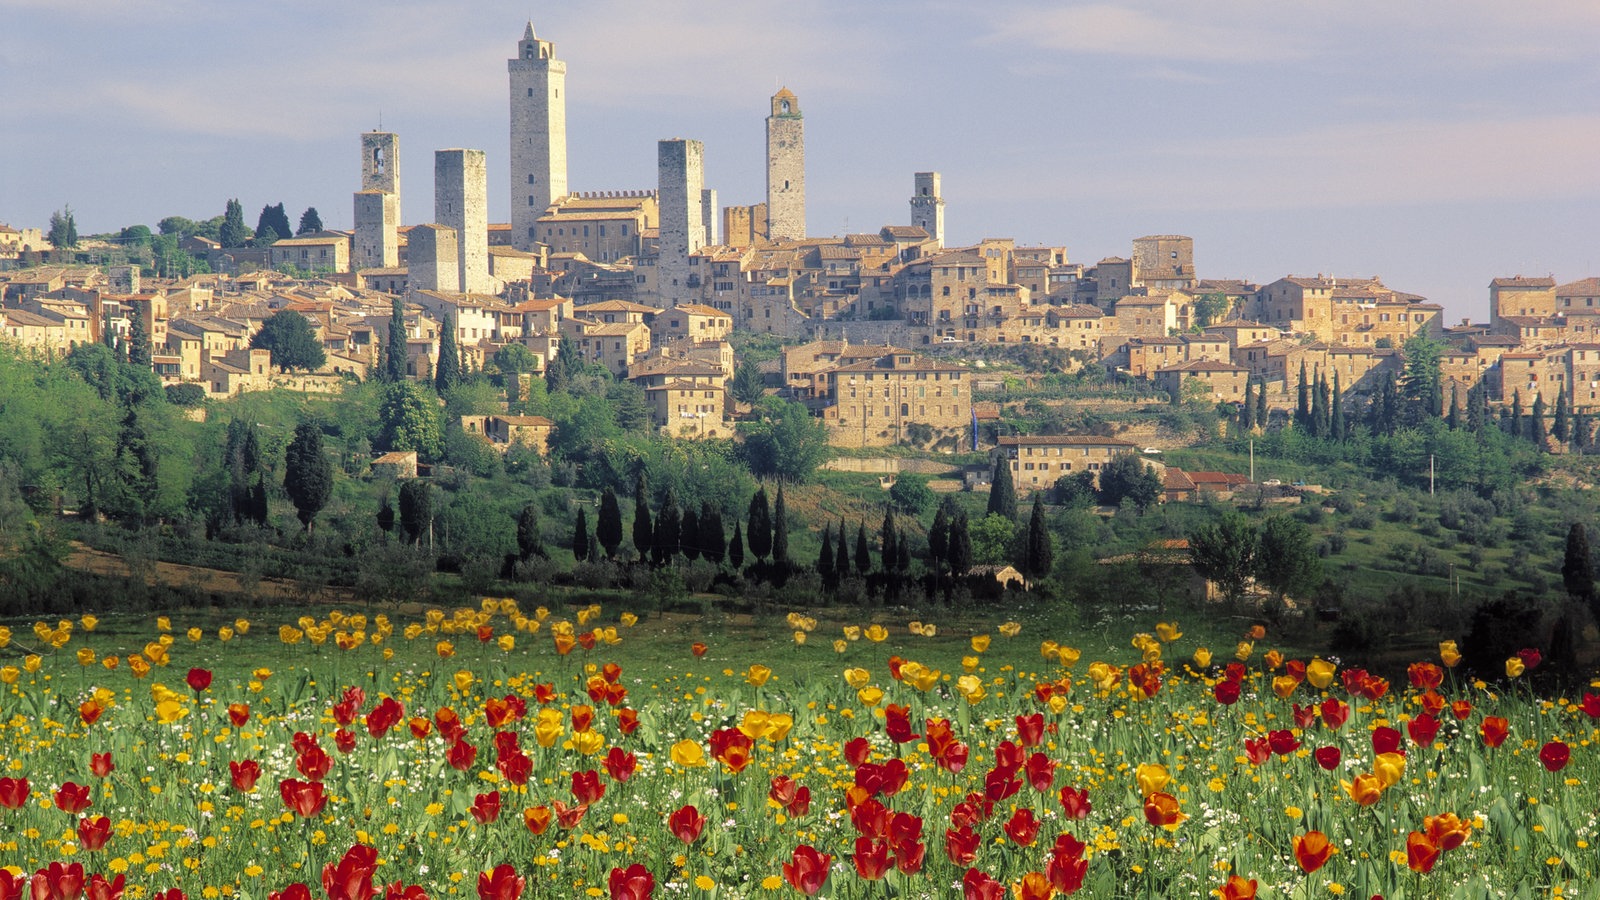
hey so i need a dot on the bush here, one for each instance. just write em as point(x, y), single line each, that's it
point(186, 395)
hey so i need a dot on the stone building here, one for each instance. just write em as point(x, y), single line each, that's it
point(681, 173)
point(1164, 261)
point(786, 169)
point(744, 226)
point(433, 260)
point(1038, 461)
point(538, 135)
point(1224, 381)
point(927, 206)
point(1519, 296)
point(324, 252)
point(883, 401)
point(377, 204)
point(604, 226)
point(461, 202)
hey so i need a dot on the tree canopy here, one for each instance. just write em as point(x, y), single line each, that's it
point(786, 442)
point(292, 341)
point(307, 473)
point(310, 222)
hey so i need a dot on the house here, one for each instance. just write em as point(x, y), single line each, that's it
point(325, 252)
point(1037, 461)
point(502, 431)
point(1223, 381)
point(396, 465)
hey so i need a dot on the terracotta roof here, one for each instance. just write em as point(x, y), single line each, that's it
point(1519, 281)
point(526, 421)
point(1065, 440)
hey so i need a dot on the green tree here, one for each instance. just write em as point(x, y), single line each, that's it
point(644, 531)
point(841, 554)
point(448, 372)
point(515, 359)
point(713, 540)
point(736, 548)
point(138, 468)
point(1210, 308)
point(888, 541)
point(530, 540)
point(1261, 419)
point(1126, 477)
point(307, 473)
point(1224, 551)
point(1562, 429)
point(786, 442)
point(416, 510)
point(1302, 409)
point(1537, 432)
point(408, 417)
point(911, 494)
point(759, 534)
point(580, 536)
point(1336, 424)
point(1040, 556)
point(669, 530)
point(863, 550)
point(748, 385)
point(395, 356)
point(825, 560)
point(1577, 567)
point(233, 233)
point(992, 537)
point(63, 234)
point(1422, 385)
point(1002, 492)
point(780, 530)
point(959, 553)
point(139, 355)
point(292, 341)
point(1286, 561)
point(608, 527)
point(310, 222)
point(689, 545)
point(1247, 416)
point(939, 537)
point(271, 226)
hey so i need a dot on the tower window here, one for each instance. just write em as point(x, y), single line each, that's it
point(530, 92)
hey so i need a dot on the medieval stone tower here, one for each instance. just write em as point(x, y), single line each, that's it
point(927, 206)
point(377, 204)
point(786, 168)
point(432, 258)
point(461, 202)
point(680, 169)
point(538, 134)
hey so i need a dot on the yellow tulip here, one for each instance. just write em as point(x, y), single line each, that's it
point(463, 680)
point(289, 634)
point(1152, 777)
point(629, 620)
point(1284, 686)
point(195, 634)
point(870, 696)
point(1202, 658)
point(857, 678)
point(89, 623)
point(445, 649)
point(110, 663)
point(589, 742)
point(1048, 649)
point(1272, 660)
point(261, 674)
point(138, 666)
point(1449, 654)
point(541, 613)
point(1320, 673)
point(318, 636)
point(799, 638)
point(969, 664)
point(688, 754)
point(876, 633)
point(971, 687)
point(758, 675)
point(506, 642)
point(1069, 656)
point(584, 615)
point(9, 674)
point(1515, 667)
point(1389, 767)
point(1010, 629)
point(85, 656)
point(915, 628)
point(32, 662)
point(1242, 653)
point(163, 624)
point(852, 632)
point(169, 711)
point(5, 637)
point(929, 630)
point(923, 679)
point(980, 643)
point(434, 616)
point(224, 634)
point(241, 625)
point(1057, 704)
point(548, 728)
point(839, 645)
point(1168, 632)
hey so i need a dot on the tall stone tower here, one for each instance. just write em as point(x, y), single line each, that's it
point(927, 206)
point(538, 134)
point(711, 217)
point(377, 204)
point(433, 258)
point(786, 168)
point(680, 170)
point(461, 202)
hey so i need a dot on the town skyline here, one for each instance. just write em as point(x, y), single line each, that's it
point(1464, 157)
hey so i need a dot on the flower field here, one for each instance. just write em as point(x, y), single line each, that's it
point(501, 754)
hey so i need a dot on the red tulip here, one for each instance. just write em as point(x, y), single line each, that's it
point(1530, 657)
point(633, 883)
point(1591, 705)
point(1283, 742)
point(1304, 716)
point(801, 804)
point(58, 882)
point(12, 887)
point(486, 807)
point(89, 711)
point(1554, 755)
point(199, 679)
point(686, 824)
point(245, 774)
point(304, 798)
point(1335, 713)
point(586, 786)
point(1432, 702)
point(500, 884)
point(569, 816)
point(238, 714)
point(1009, 757)
point(485, 633)
point(1030, 729)
point(961, 845)
point(515, 766)
point(999, 785)
point(1461, 709)
point(1022, 827)
point(93, 832)
point(870, 818)
point(909, 859)
point(698, 648)
point(461, 755)
point(620, 764)
point(904, 832)
point(1067, 869)
point(1258, 750)
point(627, 720)
point(1075, 803)
point(72, 798)
point(449, 724)
point(1328, 757)
point(399, 891)
point(1312, 851)
point(1161, 810)
point(169, 894)
point(1425, 675)
point(1238, 888)
point(344, 740)
point(314, 763)
point(1494, 730)
point(100, 764)
point(1041, 771)
point(351, 877)
point(871, 858)
point(1386, 740)
point(1226, 692)
point(295, 891)
point(856, 751)
point(1421, 852)
point(808, 871)
point(582, 717)
point(976, 885)
point(1423, 729)
point(897, 723)
point(421, 727)
point(537, 818)
point(384, 716)
point(99, 887)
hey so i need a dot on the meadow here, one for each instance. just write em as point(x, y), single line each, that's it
point(514, 752)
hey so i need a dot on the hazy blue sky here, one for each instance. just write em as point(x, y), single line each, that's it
point(1436, 144)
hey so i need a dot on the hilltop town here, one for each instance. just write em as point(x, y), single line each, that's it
point(882, 332)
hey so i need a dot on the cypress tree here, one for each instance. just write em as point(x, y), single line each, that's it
point(841, 551)
point(1247, 410)
point(1516, 413)
point(1580, 430)
point(1002, 492)
point(1453, 420)
point(736, 548)
point(644, 532)
point(385, 515)
point(1477, 411)
point(759, 534)
point(669, 530)
point(939, 539)
point(1261, 406)
point(138, 342)
point(395, 355)
point(530, 542)
point(1336, 429)
point(1562, 427)
point(1040, 555)
point(1536, 430)
point(1577, 569)
point(448, 372)
point(713, 541)
point(863, 550)
point(689, 545)
point(825, 561)
point(960, 545)
point(307, 473)
point(580, 536)
point(258, 501)
point(780, 530)
point(889, 550)
point(1319, 408)
point(608, 526)
point(416, 510)
point(1302, 411)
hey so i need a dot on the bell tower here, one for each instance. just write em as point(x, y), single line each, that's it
point(786, 168)
point(538, 134)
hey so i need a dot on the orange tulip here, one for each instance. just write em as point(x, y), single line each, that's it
point(1421, 852)
point(1239, 889)
point(1312, 851)
point(1365, 790)
point(1447, 830)
point(1161, 810)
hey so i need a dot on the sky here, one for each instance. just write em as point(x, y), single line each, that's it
point(1435, 144)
